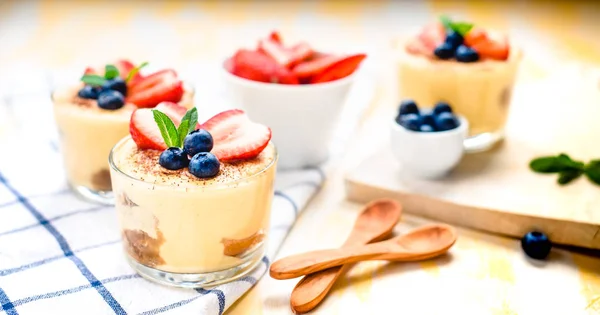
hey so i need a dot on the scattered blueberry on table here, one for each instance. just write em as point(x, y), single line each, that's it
point(173, 159)
point(441, 118)
point(536, 245)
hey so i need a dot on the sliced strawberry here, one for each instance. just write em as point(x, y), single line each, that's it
point(162, 86)
point(286, 57)
point(228, 65)
point(474, 36)
point(235, 136)
point(143, 128)
point(274, 36)
point(494, 47)
point(340, 69)
point(416, 46)
point(90, 70)
point(315, 66)
point(433, 35)
point(256, 66)
point(125, 66)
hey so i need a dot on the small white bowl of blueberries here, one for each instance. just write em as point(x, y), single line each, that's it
point(428, 143)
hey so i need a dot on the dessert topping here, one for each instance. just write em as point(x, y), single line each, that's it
point(235, 136)
point(111, 88)
point(449, 39)
point(273, 62)
point(441, 118)
point(204, 165)
point(161, 86)
point(568, 169)
point(143, 128)
point(198, 141)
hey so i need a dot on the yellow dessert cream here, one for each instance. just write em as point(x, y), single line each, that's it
point(88, 133)
point(174, 222)
point(480, 91)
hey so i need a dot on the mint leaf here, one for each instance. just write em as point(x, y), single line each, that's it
point(462, 28)
point(167, 129)
point(566, 177)
point(93, 79)
point(135, 70)
point(592, 171)
point(555, 164)
point(446, 21)
point(110, 72)
point(188, 123)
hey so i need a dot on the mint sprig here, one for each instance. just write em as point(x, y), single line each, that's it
point(110, 72)
point(461, 28)
point(93, 79)
point(135, 70)
point(567, 169)
point(173, 136)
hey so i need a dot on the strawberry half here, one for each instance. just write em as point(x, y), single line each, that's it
point(493, 46)
point(274, 36)
point(123, 65)
point(416, 46)
point(161, 86)
point(235, 136)
point(433, 35)
point(315, 66)
point(143, 128)
point(256, 66)
point(340, 69)
point(286, 57)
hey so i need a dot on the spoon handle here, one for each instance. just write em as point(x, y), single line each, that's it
point(302, 264)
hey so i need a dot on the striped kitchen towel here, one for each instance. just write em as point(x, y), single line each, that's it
point(62, 255)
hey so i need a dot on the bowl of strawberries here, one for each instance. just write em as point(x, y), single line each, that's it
point(296, 90)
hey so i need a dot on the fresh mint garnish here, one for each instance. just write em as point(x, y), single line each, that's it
point(135, 70)
point(167, 129)
point(568, 169)
point(188, 124)
point(110, 72)
point(93, 79)
point(461, 28)
point(173, 136)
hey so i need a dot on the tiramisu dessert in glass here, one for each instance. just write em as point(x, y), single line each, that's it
point(93, 115)
point(193, 200)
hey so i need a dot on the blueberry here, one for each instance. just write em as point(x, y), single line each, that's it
point(110, 99)
point(454, 39)
point(442, 107)
point(428, 119)
point(88, 92)
point(408, 107)
point(446, 121)
point(116, 84)
point(444, 51)
point(466, 54)
point(536, 245)
point(204, 165)
point(426, 128)
point(198, 141)
point(173, 158)
point(411, 122)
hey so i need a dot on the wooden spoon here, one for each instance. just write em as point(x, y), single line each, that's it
point(419, 244)
point(375, 223)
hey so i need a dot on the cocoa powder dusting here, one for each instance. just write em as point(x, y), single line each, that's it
point(143, 248)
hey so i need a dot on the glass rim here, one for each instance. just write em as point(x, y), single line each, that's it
point(112, 164)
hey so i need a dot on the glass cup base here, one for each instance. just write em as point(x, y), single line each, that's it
point(100, 197)
point(199, 280)
point(483, 141)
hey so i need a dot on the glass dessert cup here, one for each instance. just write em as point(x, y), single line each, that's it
point(87, 134)
point(480, 91)
point(189, 232)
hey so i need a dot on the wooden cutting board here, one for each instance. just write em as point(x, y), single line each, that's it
point(495, 191)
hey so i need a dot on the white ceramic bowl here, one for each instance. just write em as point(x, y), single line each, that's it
point(428, 154)
point(301, 117)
